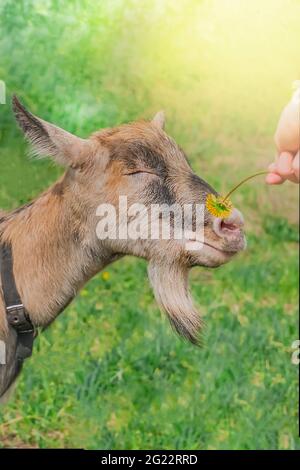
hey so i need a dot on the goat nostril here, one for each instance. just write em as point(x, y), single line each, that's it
point(228, 226)
point(231, 226)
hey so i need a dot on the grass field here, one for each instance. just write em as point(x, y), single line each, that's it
point(110, 373)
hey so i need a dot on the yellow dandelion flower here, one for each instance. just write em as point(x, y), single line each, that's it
point(105, 276)
point(218, 206)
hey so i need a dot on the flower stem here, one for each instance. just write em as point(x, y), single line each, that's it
point(244, 181)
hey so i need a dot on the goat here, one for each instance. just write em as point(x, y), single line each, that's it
point(54, 239)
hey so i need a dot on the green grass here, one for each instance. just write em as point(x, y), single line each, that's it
point(110, 373)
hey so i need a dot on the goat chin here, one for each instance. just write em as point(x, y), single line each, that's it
point(170, 286)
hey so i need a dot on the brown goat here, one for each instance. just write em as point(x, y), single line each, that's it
point(54, 239)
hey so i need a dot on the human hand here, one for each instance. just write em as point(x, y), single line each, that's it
point(287, 140)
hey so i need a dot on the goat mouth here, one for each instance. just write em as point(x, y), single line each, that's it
point(194, 246)
point(228, 246)
point(215, 247)
point(191, 244)
point(227, 252)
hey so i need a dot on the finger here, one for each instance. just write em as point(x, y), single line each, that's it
point(295, 166)
point(274, 178)
point(272, 167)
point(284, 165)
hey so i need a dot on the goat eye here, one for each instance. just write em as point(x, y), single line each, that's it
point(138, 173)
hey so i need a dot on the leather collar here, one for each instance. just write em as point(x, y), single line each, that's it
point(17, 316)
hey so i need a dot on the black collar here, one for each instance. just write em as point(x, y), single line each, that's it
point(17, 317)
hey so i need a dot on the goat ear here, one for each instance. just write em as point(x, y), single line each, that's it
point(49, 140)
point(159, 119)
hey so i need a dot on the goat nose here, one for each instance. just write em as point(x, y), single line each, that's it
point(231, 226)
